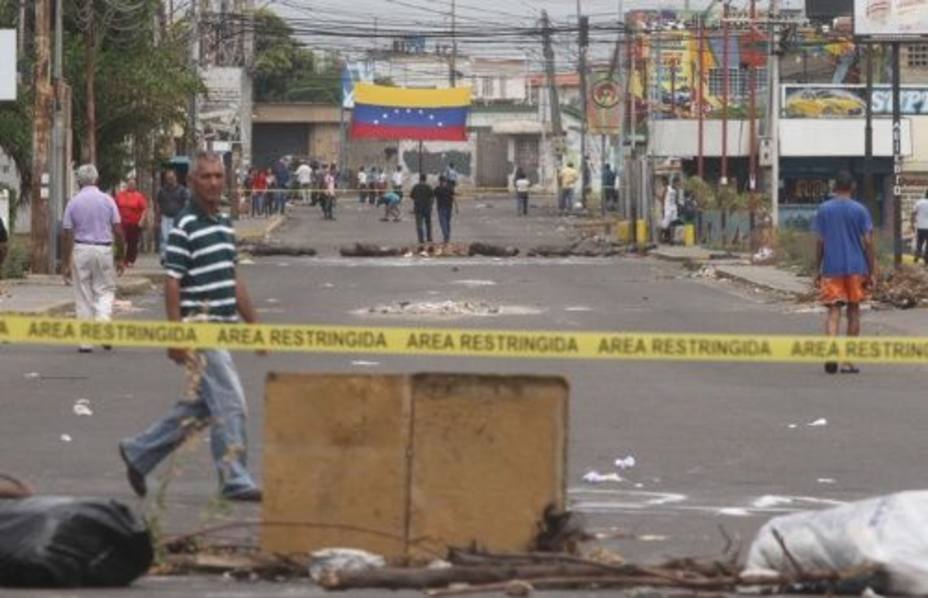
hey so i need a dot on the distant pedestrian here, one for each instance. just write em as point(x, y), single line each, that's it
point(270, 194)
point(381, 182)
point(391, 201)
point(399, 179)
point(328, 197)
point(920, 227)
point(258, 192)
point(445, 204)
point(670, 215)
point(132, 208)
point(451, 175)
point(202, 285)
point(422, 198)
point(91, 226)
point(170, 200)
point(522, 184)
point(567, 178)
point(609, 195)
point(372, 186)
point(844, 260)
point(304, 178)
point(362, 185)
point(4, 241)
point(282, 177)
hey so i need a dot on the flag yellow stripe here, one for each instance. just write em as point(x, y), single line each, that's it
point(402, 97)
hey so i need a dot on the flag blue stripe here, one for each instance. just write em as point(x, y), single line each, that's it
point(409, 117)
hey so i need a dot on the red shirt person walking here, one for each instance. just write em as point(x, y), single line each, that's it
point(132, 207)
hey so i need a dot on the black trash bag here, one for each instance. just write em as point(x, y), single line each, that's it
point(51, 541)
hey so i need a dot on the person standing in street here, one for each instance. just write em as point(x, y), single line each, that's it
point(202, 285)
point(362, 185)
point(304, 178)
point(844, 260)
point(522, 184)
point(422, 197)
point(328, 195)
point(567, 178)
point(282, 176)
point(608, 191)
point(91, 225)
point(920, 228)
point(451, 176)
point(4, 242)
point(444, 202)
point(132, 207)
point(170, 200)
point(399, 179)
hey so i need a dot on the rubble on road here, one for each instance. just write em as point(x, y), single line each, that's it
point(262, 249)
point(370, 250)
point(446, 308)
point(589, 247)
point(904, 288)
point(490, 250)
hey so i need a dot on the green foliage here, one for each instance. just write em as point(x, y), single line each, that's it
point(796, 250)
point(729, 199)
point(701, 191)
point(286, 71)
point(16, 264)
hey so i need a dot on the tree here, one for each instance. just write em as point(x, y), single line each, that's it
point(286, 71)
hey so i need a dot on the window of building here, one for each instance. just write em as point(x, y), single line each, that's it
point(502, 87)
point(487, 88)
point(917, 55)
point(738, 82)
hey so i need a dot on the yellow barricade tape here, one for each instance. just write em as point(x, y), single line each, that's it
point(524, 344)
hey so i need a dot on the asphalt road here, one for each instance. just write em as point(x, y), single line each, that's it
point(712, 442)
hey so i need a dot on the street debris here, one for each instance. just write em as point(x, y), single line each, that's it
point(488, 249)
point(591, 247)
point(66, 438)
point(447, 308)
point(55, 542)
point(594, 477)
point(904, 288)
point(333, 561)
point(705, 271)
point(476, 283)
point(82, 408)
point(262, 249)
point(818, 423)
point(578, 308)
point(884, 535)
point(826, 481)
point(362, 363)
point(625, 462)
point(32, 375)
point(371, 250)
point(124, 306)
point(764, 257)
point(245, 261)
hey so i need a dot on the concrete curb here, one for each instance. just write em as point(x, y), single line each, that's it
point(125, 287)
point(795, 293)
point(269, 228)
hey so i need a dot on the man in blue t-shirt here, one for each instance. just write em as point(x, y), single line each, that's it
point(844, 260)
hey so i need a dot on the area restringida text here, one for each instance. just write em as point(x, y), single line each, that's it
point(526, 344)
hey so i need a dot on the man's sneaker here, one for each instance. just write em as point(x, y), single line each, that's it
point(135, 477)
point(250, 495)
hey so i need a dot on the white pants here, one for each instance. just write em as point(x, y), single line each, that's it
point(94, 279)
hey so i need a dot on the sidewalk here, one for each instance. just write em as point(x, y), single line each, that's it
point(738, 267)
point(42, 294)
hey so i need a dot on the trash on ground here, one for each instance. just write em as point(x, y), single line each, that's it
point(475, 283)
point(904, 287)
point(32, 375)
point(245, 261)
point(332, 561)
point(69, 542)
point(763, 257)
point(889, 533)
point(705, 271)
point(591, 247)
point(266, 249)
point(126, 307)
point(826, 481)
point(625, 462)
point(82, 407)
point(594, 477)
point(362, 363)
point(448, 308)
point(734, 512)
point(578, 308)
point(66, 438)
point(818, 423)
point(272, 300)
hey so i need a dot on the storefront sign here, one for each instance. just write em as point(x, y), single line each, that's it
point(843, 101)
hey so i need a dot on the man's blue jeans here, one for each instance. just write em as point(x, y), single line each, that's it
point(444, 221)
point(220, 403)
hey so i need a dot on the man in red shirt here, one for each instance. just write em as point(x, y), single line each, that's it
point(132, 206)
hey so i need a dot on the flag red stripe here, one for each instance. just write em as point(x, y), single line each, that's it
point(370, 131)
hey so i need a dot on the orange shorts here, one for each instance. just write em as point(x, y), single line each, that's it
point(843, 289)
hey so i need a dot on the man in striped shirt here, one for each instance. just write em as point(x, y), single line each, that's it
point(202, 285)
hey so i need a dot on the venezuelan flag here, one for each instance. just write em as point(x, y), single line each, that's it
point(382, 112)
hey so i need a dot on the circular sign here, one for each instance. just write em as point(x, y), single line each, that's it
point(606, 93)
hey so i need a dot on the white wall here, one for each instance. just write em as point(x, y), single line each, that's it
point(680, 138)
point(839, 137)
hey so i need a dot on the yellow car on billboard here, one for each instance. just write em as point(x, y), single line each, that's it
point(815, 103)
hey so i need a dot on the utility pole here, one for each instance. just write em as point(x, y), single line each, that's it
point(897, 161)
point(57, 179)
point(556, 128)
point(248, 61)
point(752, 109)
point(583, 42)
point(773, 118)
point(454, 44)
point(195, 63)
point(42, 119)
point(869, 190)
point(726, 78)
point(700, 91)
point(90, 68)
point(21, 29)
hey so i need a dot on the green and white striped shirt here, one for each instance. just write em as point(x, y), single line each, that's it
point(201, 254)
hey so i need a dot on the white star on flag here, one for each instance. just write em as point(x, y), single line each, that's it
point(376, 122)
point(431, 117)
point(441, 124)
point(385, 116)
point(408, 110)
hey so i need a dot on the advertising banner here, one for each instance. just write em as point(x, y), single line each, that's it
point(842, 101)
point(603, 106)
point(888, 19)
